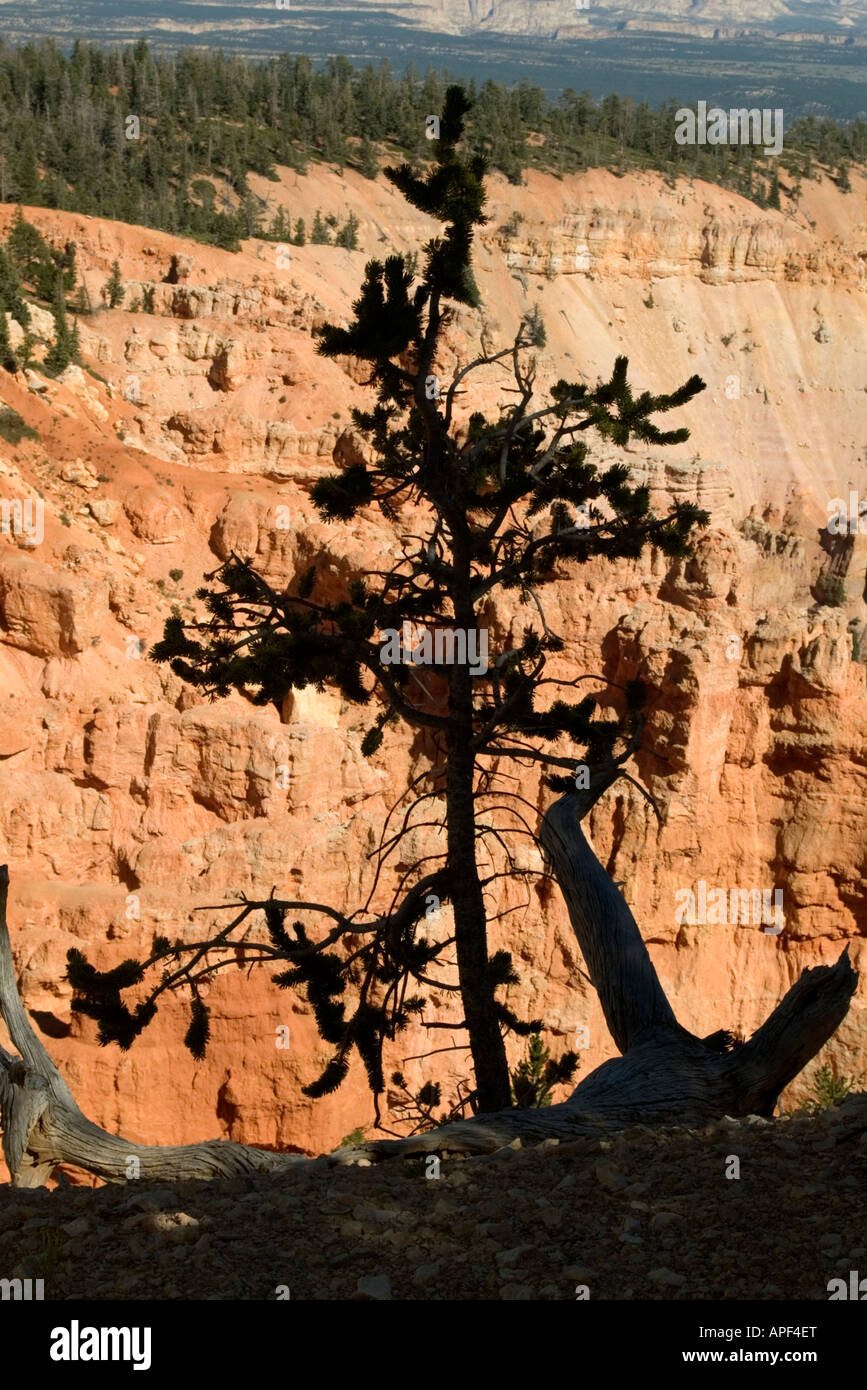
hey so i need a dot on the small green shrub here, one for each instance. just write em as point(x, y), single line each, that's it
point(12, 427)
point(831, 590)
point(536, 1075)
point(52, 1249)
point(827, 1089)
point(859, 641)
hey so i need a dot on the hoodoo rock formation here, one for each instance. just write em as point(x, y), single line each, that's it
point(128, 804)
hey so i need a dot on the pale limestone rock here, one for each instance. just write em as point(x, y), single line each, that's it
point(105, 510)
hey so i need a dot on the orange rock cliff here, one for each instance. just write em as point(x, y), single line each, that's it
point(198, 428)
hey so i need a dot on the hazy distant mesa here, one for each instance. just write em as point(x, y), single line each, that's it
point(838, 21)
point(835, 22)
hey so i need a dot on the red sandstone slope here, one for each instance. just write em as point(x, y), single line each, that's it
point(127, 784)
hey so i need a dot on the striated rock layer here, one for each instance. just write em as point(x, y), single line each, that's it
point(128, 803)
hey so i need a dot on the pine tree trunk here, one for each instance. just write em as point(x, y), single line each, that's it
point(465, 889)
point(493, 1089)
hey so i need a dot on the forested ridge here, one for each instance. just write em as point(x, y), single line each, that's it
point(67, 140)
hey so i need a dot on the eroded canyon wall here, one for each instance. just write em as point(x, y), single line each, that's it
point(127, 802)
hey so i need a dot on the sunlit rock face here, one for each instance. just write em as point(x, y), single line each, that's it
point(128, 803)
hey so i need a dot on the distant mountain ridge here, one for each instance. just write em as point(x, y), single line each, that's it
point(547, 18)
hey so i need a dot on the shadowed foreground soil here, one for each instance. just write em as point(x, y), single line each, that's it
point(645, 1215)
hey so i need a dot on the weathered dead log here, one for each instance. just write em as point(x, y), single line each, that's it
point(666, 1075)
point(617, 959)
point(666, 1068)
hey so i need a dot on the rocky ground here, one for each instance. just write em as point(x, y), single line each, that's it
point(645, 1214)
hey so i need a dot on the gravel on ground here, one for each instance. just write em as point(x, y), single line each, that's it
point(755, 1209)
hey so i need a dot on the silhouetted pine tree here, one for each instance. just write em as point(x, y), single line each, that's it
point(499, 504)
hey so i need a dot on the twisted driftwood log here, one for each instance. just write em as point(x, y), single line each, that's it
point(666, 1075)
